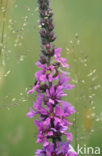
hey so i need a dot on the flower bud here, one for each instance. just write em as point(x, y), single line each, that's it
point(43, 59)
point(47, 46)
point(43, 33)
point(52, 37)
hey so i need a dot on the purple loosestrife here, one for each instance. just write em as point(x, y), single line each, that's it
point(49, 87)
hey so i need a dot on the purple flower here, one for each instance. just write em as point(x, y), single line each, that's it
point(68, 109)
point(46, 74)
point(39, 152)
point(39, 65)
point(59, 59)
point(34, 88)
point(60, 128)
point(68, 136)
point(63, 80)
point(63, 149)
point(41, 137)
point(31, 113)
point(55, 94)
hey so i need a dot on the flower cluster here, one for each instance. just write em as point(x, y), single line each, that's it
point(52, 110)
point(50, 84)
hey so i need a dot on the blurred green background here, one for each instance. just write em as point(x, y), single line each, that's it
point(78, 25)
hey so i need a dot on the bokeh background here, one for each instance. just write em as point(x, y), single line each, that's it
point(78, 25)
